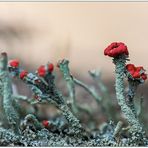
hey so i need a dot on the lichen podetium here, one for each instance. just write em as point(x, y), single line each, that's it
point(119, 53)
point(8, 100)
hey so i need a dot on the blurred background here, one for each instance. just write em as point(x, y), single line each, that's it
point(39, 32)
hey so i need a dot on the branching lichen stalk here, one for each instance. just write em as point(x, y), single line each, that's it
point(63, 65)
point(96, 75)
point(105, 99)
point(30, 118)
point(91, 91)
point(73, 121)
point(49, 92)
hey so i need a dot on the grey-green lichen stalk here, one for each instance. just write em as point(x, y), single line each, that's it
point(119, 86)
point(63, 65)
point(61, 104)
point(136, 76)
point(131, 94)
point(8, 100)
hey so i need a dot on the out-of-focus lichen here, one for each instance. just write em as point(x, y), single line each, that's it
point(64, 68)
point(118, 129)
point(69, 78)
point(44, 89)
point(105, 97)
point(8, 100)
point(91, 90)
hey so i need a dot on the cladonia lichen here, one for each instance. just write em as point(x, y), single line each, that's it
point(28, 125)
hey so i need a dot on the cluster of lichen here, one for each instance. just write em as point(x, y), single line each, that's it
point(67, 129)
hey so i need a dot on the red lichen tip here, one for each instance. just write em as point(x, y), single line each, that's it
point(115, 49)
point(41, 71)
point(130, 68)
point(144, 76)
point(136, 72)
point(14, 63)
point(50, 67)
point(45, 123)
point(23, 74)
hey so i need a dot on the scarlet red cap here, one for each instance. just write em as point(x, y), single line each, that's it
point(115, 49)
point(23, 74)
point(14, 63)
point(50, 67)
point(136, 72)
point(144, 76)
point(41, 71)
point(45, 123)
point(130, 68)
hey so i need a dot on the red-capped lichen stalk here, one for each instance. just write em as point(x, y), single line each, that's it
point(14, 63)
point(43, 70)
point(45, 123)
point(136, 73)
point(136, 76)
point(23, 74)
point(120, 53)
point(42, 84)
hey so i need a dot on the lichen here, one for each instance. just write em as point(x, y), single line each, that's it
point(6, 92)
point(66, 128)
